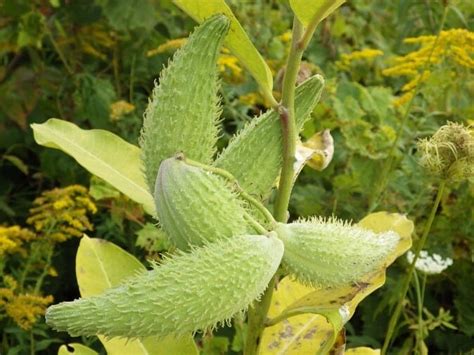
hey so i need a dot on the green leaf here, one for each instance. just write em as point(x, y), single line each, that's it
point(128, 15)
point(76, 349)
point(101, 265)
point(336, 304)
point(237, 40)
point(307, 10)
point(101, 153)
point(17, 162)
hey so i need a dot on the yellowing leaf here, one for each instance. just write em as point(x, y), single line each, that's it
point(102, 153)
point(307, 10)
point(101, 265)
point(302, 334)
point(237, 40)
point(322, 146)
point(362, 351)
point(336, 304)
point(383, 221)
point(76, 349)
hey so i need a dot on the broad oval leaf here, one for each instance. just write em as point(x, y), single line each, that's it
point(336, 304)
point(307, 10)
point(237, 40)
point(101, 265)
point(301, 334)
point(76, 349)
point(102, 153)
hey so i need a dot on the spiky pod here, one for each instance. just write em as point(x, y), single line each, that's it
point(186, 293)
point(330, 252)
point(195, 206)
point(184, 110)
point(254, 156)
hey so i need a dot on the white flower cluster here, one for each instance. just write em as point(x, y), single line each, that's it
point(429, 264)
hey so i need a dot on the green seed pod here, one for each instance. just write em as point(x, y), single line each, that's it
point(195, 206)
point(254, 156)
point(184, 110)
point(330, 252)
point(189, 292)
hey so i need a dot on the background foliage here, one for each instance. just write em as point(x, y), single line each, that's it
point(93, 62)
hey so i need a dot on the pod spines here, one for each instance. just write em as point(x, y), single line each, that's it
point(184, 109)
point(254, 155)
point(330, 252)
point(188, 292)
point(196, 206)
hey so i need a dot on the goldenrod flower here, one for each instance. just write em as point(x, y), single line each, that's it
point(365, 54)
point(119, 109)
point(12, 239)
point(25, 308)
point(230, 68)
point(62, 213)
point(170, 45)
point(455, 47)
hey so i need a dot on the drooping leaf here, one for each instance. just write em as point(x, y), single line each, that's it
point(237, 40)
point(336, 304)
point(101, 265)
point(101, 153)
point(76, 349)
point(307, 10)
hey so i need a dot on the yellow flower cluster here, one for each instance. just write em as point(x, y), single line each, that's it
point(229, 67)
point(62, 213)
point(24, 308)
point(170, 45)
point(346, 59)
point(12, 240)
point(454, 46)
point(119, 109)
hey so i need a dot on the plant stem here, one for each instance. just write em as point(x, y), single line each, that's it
point(398, 308)
point(256, 320)
point(419, 302)
point(381, 184)
point(258, 313)
point(288, 124)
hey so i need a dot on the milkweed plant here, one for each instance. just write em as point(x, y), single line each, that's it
point(230, 250)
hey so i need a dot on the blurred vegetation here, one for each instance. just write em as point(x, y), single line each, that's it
point(93, 62)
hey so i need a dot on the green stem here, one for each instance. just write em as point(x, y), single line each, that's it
point(380, 186)
point(258, 313)
point(419, 302)
point(256, 319)
point(39, 281)
point(394, 318)
point(288, 124)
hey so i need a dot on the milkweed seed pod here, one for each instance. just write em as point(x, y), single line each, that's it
point(183, 112)
point(449, 153)
point(330, 252)
point(189, 292)
point(254, 156)
point(195, 206)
